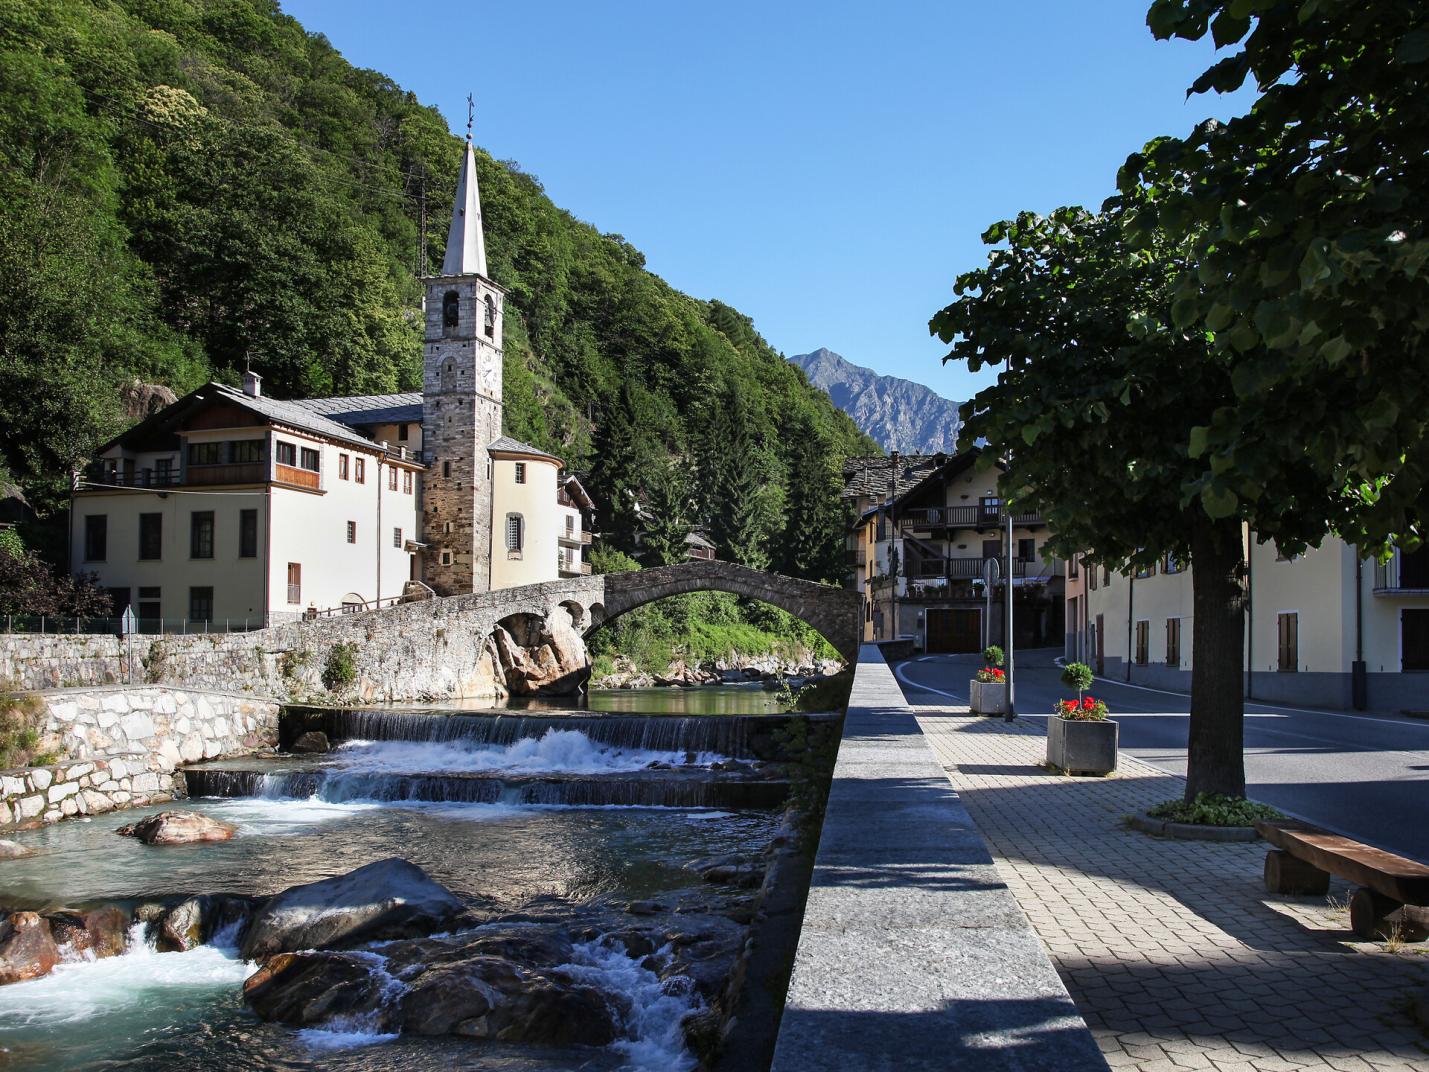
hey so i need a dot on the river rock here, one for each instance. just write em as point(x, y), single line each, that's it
point(197, 920)
point(101, 932)
point(27, 948)
point(507, 986)
point(314, 741)
point(13, 850)
point(310, 989)
point(178, 828)
point(544, 655)
point(387, 899)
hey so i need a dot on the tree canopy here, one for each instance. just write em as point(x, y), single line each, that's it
point(1309, 256)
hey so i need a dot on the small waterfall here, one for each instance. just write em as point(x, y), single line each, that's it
point(727, 735)
point(640, 789)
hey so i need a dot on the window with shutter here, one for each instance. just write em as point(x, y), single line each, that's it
point(1288, 627)
point(514, 532)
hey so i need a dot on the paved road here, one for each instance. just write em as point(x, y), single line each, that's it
point(1364, 775)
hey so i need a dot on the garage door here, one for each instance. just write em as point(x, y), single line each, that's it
point(954, 630)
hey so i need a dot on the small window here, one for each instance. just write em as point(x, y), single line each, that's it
point(397, 538)
point(451, 309)
point(520, 472)
point(151, 536)
point(1106, 577)
point(1072, 566)
point(149, 609)
point(1143, 643)
point(446, 558)
point(490, 323)
point(570, 525)
point(295, 582)
point(352, 532)
point(391, 478)
point(446, 470)
point(248, 534)
point(1092, 572)
point(515, 532)
point(96, 537)
point(403, 432)
point(201, 604)
point(1173, 642)
point(286, 453)
point(359, 470)
point(407, 481)
point(447, 528)
point(164, 471)
point(201, 534)
point(1027, 550)
point(1288, 627)
point(247, 450)
point(991, 549)
point(205, 453)
point(310, 460)
point(342, 460)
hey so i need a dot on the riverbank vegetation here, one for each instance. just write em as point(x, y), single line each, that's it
point(698, 628)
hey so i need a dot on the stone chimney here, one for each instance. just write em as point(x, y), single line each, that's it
point(252, 383)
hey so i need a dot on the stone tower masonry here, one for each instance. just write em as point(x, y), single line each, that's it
point(461, 401)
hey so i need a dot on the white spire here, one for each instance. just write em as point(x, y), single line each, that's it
point(466, 245)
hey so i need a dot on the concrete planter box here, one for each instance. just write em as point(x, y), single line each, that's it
point(1082, 747)
point(987, 698)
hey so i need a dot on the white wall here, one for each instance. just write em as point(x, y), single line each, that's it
point(543, 516)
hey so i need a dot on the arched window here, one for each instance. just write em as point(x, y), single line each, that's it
point(451, 309)
point(490, 317)
point(515, 533)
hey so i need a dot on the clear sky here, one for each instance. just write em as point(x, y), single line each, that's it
point(825, 167)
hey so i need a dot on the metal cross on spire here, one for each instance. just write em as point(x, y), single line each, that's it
point(470, 114)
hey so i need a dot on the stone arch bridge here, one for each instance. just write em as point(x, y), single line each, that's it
point(435, 649)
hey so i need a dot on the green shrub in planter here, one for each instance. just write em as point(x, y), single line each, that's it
point(992, 655)
point(1077, 676)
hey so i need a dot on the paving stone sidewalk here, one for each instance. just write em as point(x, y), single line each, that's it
point(1173, 951)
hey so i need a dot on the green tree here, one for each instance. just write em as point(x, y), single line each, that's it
point(669, 512)
point(1095, 406)
point(1309, 225)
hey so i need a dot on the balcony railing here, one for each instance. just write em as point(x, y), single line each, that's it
point(965, 568)
point(300, 478)
point(227, 473)
point(978, 517)
point(1407, 573)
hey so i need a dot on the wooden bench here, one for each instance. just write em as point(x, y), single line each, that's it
point(1392, 890)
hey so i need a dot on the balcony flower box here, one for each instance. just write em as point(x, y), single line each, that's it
point(987, 692)
point(1080, 737)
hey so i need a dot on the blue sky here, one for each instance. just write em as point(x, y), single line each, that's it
point(827, 168)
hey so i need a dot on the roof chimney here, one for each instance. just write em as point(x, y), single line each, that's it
point(252, 383)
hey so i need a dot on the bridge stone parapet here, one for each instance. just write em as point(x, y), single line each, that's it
point(431, 650)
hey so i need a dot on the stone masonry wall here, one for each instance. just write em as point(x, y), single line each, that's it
point(122, 747)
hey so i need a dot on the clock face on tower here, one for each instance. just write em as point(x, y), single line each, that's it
point(488, 378)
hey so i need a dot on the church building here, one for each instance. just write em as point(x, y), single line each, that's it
point(233, 509)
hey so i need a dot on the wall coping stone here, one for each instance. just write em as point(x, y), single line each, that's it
point(914, 954)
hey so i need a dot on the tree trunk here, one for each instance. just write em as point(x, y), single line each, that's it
point(1216, 761)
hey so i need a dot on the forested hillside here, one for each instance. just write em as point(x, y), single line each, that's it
point(189, 184)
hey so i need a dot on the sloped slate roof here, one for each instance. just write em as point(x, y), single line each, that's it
point(404, 407)
point(293, 414)
point(515, 446)
point(869, 476)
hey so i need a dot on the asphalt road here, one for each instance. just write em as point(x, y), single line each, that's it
point(1363, 775)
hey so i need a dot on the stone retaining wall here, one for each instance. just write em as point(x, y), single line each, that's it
point(121, 747)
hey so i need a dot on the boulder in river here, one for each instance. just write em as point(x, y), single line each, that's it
point(508, 986)
point(13, 850)
point(314, 741)
point(178, 828)
point(197, 920)
point(102, 932)
point(27, 948)
point(544, 655)
point(387, 899)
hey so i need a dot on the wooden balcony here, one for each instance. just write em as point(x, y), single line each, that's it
point(965, 568)
point(298, 478)
point(227, 473)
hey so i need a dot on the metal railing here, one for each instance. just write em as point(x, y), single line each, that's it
point(1403, 573)
point(964, 568)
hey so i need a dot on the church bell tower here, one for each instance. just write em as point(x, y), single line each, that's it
point(461, 401)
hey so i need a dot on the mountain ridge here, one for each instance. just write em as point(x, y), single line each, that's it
point(899, 414)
